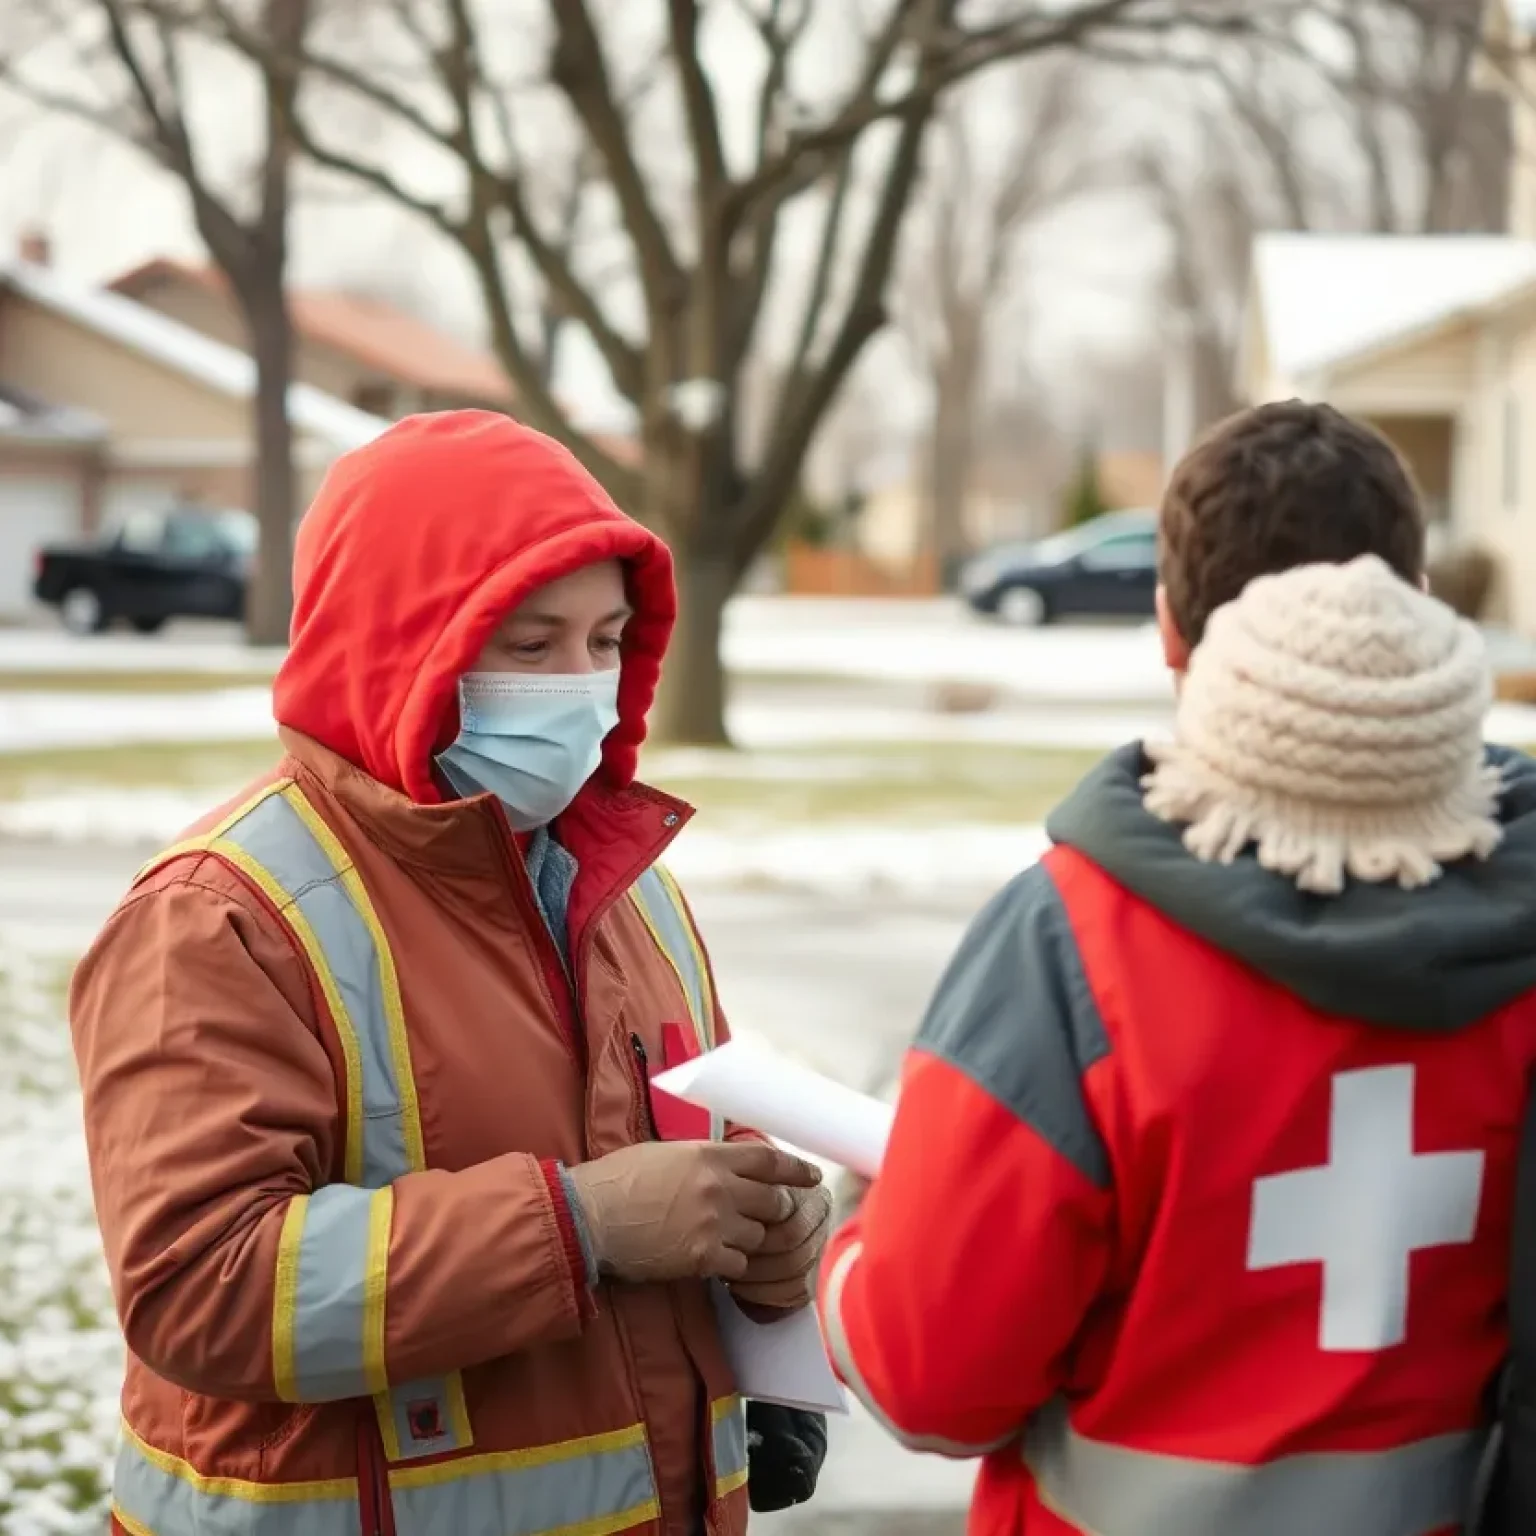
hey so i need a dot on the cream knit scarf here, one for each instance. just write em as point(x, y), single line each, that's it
point(1333, 716)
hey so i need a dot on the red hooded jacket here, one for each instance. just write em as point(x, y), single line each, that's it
point(333, 1066)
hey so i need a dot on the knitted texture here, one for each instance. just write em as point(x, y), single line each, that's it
point(1332, 715)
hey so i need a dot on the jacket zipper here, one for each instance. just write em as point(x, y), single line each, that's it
point(375, 1506)
point(648, 1104)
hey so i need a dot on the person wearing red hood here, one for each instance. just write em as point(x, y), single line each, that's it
point(400, 1237)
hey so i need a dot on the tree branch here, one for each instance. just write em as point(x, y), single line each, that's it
point(577, 67)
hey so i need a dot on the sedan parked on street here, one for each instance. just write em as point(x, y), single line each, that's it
point(1105, 568)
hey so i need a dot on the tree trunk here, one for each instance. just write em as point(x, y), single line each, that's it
point(690, 708)
point(269, 601)
point(949, 468)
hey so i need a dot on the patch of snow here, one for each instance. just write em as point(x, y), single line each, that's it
point(42, 720)
point(211, 363)
point(52, 650)
point(128, 817)
point(937, 642)
point(850, 859)
point(1326, 297)
point(60, 1351)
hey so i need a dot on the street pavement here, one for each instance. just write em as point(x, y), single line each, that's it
point(840, 984)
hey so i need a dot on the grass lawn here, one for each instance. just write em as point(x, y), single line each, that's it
point(895, 783)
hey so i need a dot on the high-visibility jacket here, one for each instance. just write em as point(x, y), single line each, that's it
point(365, 1444)
point(1196, 1215)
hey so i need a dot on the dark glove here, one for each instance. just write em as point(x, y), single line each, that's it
point(785, 1450)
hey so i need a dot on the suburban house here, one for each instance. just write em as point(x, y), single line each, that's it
point(371, 354)
point(107, 406)
point(1433, 338)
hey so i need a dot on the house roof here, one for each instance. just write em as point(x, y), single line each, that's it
point(1324, 299)
point(226, 370)
point(378, 335)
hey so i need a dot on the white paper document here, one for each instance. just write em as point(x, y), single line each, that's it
point(783, 1362)
point(756, 1087)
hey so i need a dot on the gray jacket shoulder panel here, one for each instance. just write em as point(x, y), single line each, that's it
point(1015, 1014)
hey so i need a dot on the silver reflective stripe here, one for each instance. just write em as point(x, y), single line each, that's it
point(275, 836)
point(730, 1444)
point(599, 1486)
point(155, 1494)
point(1409, 1490)
point(673, 932)
point(417, 1418)
point(842, 1356)
point(331, 1301)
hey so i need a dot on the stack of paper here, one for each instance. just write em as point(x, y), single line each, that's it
point(758, 1088)
point(783, 1362)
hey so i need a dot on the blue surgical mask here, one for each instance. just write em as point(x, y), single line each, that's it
point(529, 739)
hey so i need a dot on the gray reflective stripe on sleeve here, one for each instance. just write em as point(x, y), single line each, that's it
point(600, 1485)
point(673, 932)
point(1409, 1490)
point(1015, 1014)
point(156, 1494)
point(729, 1444)
point(331, 1297)
point(842, 1355)
point(274, 834)
point(324, 894)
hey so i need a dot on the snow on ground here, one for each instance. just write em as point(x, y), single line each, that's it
point(60, 1354)
point(44, 720)
point(194, 648)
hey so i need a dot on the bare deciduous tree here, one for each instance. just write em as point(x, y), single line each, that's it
point(705, 291)
point(963, 260)
point(133, 57)
point(1392, 80)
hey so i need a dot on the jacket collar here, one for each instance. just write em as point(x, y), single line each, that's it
point(614, 834)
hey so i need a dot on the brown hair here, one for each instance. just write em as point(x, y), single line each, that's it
point(1279, 486)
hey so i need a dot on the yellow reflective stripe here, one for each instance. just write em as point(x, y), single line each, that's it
point(517, 1461)
point(240, 1488)
point(394, 1006)
point(128, 1523)
point(285, 1301)
point(375, 1287)
point(257, 874)
point(706, 1025)
point(204, 841)
point(458, 1410)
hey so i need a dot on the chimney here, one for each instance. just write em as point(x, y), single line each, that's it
point(35, 246)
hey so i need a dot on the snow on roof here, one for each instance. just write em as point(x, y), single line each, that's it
point(1328, 297)
point(222, 368)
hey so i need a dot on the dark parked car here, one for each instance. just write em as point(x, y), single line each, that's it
point(1104, 568)
point(183, 563)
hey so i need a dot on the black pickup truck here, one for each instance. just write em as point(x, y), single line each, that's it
point(183, 563)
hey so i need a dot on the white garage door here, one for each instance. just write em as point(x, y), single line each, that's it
point(34, 510)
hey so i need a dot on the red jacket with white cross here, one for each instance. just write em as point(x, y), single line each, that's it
point(1173, 1248)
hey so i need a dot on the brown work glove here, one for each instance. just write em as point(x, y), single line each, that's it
point(686, 1209)
point(780, 1275)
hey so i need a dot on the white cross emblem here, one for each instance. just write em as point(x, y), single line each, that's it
point(1366, 1210)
